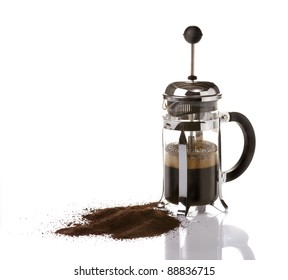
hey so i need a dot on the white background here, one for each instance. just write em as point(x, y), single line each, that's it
point(81, 86)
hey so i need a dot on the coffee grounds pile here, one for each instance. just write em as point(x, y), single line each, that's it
point(124, 222)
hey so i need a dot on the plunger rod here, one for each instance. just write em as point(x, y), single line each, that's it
point(192, 60)
point(192, 35)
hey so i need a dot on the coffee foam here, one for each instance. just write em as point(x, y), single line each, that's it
point(203, 154)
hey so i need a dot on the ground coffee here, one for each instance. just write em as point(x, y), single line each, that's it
point(124, 222)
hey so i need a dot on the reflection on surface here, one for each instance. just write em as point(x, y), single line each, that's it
point(203, 238)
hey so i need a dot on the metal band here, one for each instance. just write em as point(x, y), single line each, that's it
point(191, 126)
point(183, 165)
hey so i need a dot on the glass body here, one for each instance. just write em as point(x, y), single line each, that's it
point(191, 147)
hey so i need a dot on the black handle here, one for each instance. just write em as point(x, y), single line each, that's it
point(248, 149)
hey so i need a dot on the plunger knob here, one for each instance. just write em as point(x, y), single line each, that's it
point(192, 34)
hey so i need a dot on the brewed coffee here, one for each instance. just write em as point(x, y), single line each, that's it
point(202, 173)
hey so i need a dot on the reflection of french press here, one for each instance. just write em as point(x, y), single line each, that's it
point(205, 238)
point(192, 141)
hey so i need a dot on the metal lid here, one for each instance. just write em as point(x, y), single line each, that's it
point(192, 91)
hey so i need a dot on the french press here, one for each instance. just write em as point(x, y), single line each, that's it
point(193, 175)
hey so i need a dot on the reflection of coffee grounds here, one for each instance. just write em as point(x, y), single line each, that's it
point(124, 222)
